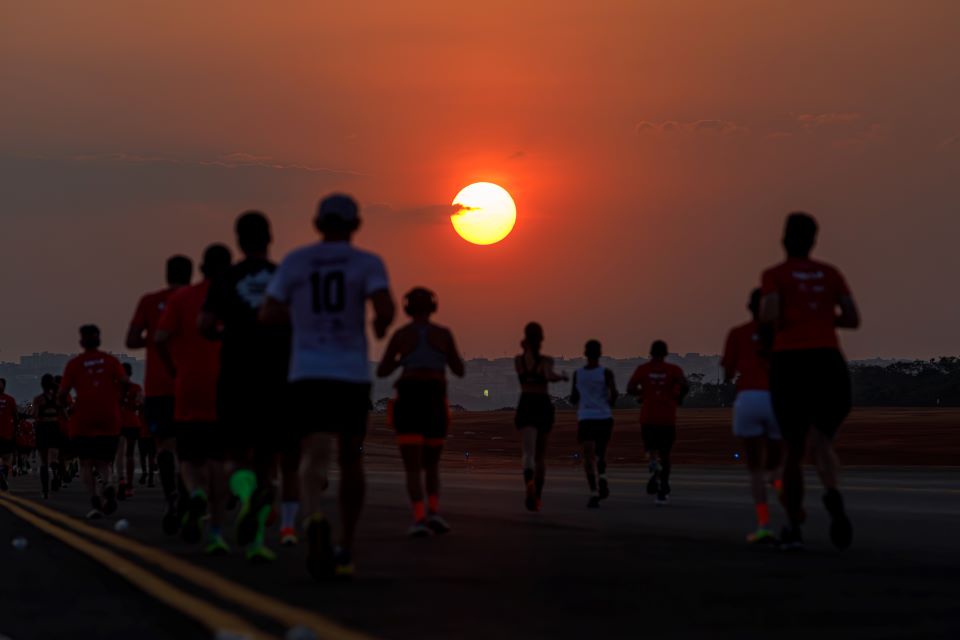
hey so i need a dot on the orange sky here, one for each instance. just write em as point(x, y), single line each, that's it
point(652, 148)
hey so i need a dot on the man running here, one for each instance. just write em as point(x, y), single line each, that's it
point(420, 413)
point(252, 379)
point(9, 419)
point(323, 290)
point(194, 363)
point(747, 353)
point(594, 393)
point(131, 408)
point(46, 412)
point(661, 388)
point(158, 385)
point(809, 379)
point(535, 413)
point(99, 381)
point(69, 465)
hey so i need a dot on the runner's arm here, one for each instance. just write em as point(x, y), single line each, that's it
point(684, 389)
point(390, 361)
point(454, 359)
point(274, 312)
point(633, 386)
point(574, 393)
point(383, 311)
point(161, 340)
point(729, 359)
point(551, 375)
point(770, 308)
point(136, 336)
point(611, 386)
point(849, 317)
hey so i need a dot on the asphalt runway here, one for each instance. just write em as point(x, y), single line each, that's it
point(627, 570)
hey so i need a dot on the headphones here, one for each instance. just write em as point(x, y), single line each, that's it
point(419, 300)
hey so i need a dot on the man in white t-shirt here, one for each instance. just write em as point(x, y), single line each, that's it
point(594, 393)
point(323, 290)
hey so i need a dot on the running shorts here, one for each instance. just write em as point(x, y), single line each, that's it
point(148, 445)
point(200, 441)
point(48, 435)
point(330, 406)
point(809, 388)
point(158, 414)
point(130, 434)
point(753, 415)
point(535, 410)
point(96, 448)
point(598, 431)
point(421, 409)
point(658, 437)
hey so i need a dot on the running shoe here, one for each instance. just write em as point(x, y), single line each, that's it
point(419, 529)
point(216, 546)
point(122, 490)
point(437, 524)
point(653, 484)
point(260, 554)
point(321, 563)
point(662, 499)
point(191, 529)
point(288, 537)
point(96, 512)
point(129, 492)
point(109, 500)
point(594, 502)
point(343, 567)
point(604, 489)
point(143, 478)
point(791, 539)
point(248, 518)
point(45, 495)
point(761, 536)
point(171, 523)
point(841, 530)
point(531, 500)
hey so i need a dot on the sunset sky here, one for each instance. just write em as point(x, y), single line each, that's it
point(653, 150)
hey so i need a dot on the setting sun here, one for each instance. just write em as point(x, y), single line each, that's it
point(486, 213)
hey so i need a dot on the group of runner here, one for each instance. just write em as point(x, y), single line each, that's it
point(258, 372)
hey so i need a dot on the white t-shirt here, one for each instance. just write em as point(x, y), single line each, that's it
point(327, 285)
point(594, 395)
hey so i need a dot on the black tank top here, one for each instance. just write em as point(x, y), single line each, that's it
point(534, 375)
point(47, 409)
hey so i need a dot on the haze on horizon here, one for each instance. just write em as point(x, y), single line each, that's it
point(653, 150)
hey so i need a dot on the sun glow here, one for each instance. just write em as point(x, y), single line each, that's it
point(486, 213)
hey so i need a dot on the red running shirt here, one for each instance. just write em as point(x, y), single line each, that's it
point(8, 413)
point(196, 359)
point(97, 378)
point(660, 383)
point(809, 294)
point(157, 381)
point(743, 353)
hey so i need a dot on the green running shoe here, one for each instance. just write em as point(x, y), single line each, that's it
point(217, 546)
point(761, 536)
point(259, 554)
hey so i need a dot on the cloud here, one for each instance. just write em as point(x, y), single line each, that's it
point(232, 160)
point(710, 127)
point(424, 214)
point(815, 120)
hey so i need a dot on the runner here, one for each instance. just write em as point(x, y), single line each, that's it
point(158, 385)
point(194, 363)
point(747, 353)
point(252, 380)
point(9, 418)
point(131, 421)
point(26, 444)
point(420, 413)
point(99, 382)
point(147, 446)
point(809, 379)
point(661, 388)
point(594, 393)
point(69, 465)
point(46, 412)
point(323, 290)
point(535, 413)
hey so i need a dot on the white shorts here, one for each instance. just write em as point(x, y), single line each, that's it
point(753, 415)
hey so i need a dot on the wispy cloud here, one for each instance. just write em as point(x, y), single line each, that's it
point(710, 127)
point(233, 160)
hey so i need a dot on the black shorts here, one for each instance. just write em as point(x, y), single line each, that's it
point(130, 434)
point(158, 413)
point(48, 435)
point(809, 388)
point(330, 406)
point(598, 431)
point(96, 448)
point(200, 441)
point(421, 409)
point(535, 410)
point(253, 411)
point(658, 437)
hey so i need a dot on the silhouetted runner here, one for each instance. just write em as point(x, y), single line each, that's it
point(594, 393)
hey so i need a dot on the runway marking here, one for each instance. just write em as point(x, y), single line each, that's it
point(209, 616)
point(288, 615)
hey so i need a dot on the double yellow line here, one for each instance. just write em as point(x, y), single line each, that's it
point(59, 526)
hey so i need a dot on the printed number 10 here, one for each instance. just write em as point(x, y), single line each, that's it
point(327, 291)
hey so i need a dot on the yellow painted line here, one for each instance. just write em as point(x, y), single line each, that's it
point(286, 614)
point(203, 612)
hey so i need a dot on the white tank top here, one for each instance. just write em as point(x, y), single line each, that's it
point(594, 396)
